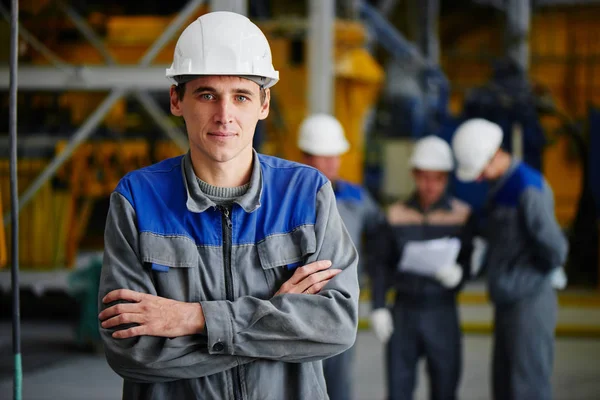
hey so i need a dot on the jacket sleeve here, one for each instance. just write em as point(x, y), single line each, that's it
point(467, 235)
point(540, 221)
point(385, 245)
point(295, 327)
point(374, 221)
point(374, 216)
point(146, 358)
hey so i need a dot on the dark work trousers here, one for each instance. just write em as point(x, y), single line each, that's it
point(433, 332)
point(338, 375)
point(524, 347)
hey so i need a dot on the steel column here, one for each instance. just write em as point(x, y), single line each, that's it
point(320, 56)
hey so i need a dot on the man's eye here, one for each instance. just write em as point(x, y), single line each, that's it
point(206, 96)
point(241, 98)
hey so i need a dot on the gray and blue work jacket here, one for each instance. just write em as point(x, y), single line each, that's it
point(165, 237)
point(362, 217)
point(524, 239)
point(407, 221)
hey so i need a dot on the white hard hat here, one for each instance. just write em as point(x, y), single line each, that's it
point(432, 154)
point(475, 143)
point(223, 43)
point(322, 135)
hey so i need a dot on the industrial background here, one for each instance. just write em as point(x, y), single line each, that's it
point(93, 105)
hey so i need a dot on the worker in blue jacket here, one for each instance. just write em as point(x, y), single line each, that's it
point(525, 251)
point(227, 274)
point(322, 141)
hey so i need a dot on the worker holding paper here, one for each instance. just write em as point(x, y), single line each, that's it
point(422, 257)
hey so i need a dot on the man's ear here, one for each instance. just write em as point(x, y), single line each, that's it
point(264, 108)
point(175, 102)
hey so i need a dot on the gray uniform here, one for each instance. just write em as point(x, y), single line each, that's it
point(362, 217)
point(165, 237)
point(525, 243)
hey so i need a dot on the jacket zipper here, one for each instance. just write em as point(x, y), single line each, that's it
point(227, 239)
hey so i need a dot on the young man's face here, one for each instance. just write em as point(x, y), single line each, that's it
point(328, 165)
point(431, 185)
point(220, 113)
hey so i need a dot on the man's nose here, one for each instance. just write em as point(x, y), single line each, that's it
point(223, 113)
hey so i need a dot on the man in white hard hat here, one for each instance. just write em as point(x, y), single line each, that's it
point(216, 282)
point(422, 258)
point(322, 141)
point(525, 247)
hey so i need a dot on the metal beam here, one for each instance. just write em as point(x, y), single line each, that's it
point(87, 31)
point(385, 7)
point(84, 131)
point(320, 56)
point(236, 6)
point(168, 127)
point(152, 108)
point(518, 22)
point(428, 38)
point(181, 18)
point(389, 37)
point(33, 42)
point(89, 78)
point(98, 115)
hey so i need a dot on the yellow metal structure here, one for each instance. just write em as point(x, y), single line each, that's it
point(42, 223)
point(53, 224)
point(358, 79)
point(93, 173)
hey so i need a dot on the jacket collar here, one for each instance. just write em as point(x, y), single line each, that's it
point(442, 204)
point(198, 202)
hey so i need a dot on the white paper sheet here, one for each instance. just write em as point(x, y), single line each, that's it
point(427, 257)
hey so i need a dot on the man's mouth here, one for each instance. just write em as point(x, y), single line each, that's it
point(222, 134)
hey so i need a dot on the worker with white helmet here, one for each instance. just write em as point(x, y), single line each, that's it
point(424, 256)
point(525, 245)
point(227, 274)
point(322, 141)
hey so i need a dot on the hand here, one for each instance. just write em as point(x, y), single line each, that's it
point(382, 324)
point(478, 254)
point(309, 279)
point(450, 276)
point(558, 277)
point(154, 315)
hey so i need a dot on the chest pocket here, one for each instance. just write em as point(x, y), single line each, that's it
point(172, 262)
point(281, 254)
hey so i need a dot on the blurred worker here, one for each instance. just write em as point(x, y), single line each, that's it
point(322, 142)
point(525, 245)
point(210, 287)
point(423, 258)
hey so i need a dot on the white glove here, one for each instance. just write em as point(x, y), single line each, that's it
point(382, 324)
point(558, 277)
point(450, 276)
point(478, 254)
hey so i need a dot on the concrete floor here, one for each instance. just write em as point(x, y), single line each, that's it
point(55, 369)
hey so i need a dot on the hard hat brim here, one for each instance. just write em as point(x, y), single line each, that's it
point(325, 153)
point(430, 167)
point(467, 174)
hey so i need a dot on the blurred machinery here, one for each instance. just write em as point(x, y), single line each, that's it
point(522, 94)
point(65, 183)
point(87, 56)
point(3, 255)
